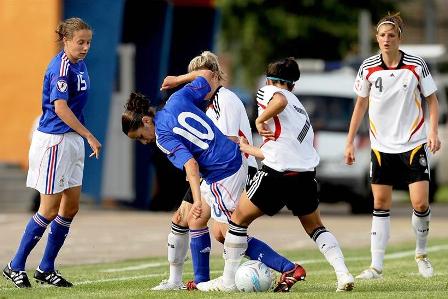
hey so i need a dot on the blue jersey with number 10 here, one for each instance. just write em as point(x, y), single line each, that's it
point(64, 81)
point(183, 131)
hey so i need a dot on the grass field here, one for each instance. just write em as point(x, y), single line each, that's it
point(133, 278)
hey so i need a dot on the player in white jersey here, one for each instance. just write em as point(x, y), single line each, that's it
point(392, 85)
point(229, 114)
point(287, 178)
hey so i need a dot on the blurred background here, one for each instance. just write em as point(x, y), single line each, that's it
point(137, 43)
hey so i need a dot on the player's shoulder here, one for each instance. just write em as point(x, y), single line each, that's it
point(59, 65)
point(227, 96)
point(371, 61)
point(411, 59)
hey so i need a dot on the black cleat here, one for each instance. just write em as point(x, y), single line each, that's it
point(52, 278)
point(18, 278)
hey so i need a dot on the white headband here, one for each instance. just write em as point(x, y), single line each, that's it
point(388, 22)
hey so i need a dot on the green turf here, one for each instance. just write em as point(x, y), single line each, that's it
point(401, 278)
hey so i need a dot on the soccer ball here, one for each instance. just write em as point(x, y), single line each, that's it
point(254, 276)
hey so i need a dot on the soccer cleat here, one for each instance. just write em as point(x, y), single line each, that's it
point(345, 282)
point(424, 266)
point(215, 285)
point(53, 278)
point(370, 273)
point(18, 278)
point(191, 285)
point(289, 278)
point(166, 285)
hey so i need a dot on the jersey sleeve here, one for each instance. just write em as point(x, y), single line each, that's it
point(175, 150)
point(362, 85)
point(427, 84)
point(227, 113)
point(59, 87)
point(197, 89)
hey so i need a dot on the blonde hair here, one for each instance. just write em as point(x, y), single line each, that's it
point(206, 61)
point(394, 20)
point(67, 27)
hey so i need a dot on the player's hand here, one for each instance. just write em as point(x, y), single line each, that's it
point(196, 209)
point(264, 131)
point(349, 155)
point(433, 142)
point(95, 145)
point(169, 82)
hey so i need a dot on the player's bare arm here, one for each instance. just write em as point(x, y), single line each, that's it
point(193, 177)
point(433, 135)
point(275, 106)
point(66, 114)
point(246, 148)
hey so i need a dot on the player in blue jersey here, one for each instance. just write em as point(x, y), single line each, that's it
point(56, 157)
point(191, 141)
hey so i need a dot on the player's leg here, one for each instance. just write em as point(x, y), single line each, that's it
point(421, 217)
point(200, 244)
point(177, 245)
point(380, 231)
point(418, 171)
point(329, 247)
point(59, 229)
point(15, 270)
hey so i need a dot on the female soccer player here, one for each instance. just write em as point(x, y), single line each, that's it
point(287, 177)
point(391, 85)
point(56, 157)
point(227, 112)
point(192, 142)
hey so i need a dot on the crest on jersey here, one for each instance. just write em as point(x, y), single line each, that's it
point(422, 161)
point(61, 85)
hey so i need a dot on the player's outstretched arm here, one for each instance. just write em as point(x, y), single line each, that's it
point(173, 81)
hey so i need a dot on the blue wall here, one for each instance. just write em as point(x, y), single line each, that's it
point(105, 17)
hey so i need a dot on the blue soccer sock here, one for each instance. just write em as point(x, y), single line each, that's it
point(33, 232)
point(200, 246)
point(56, 236)
point(258, 250)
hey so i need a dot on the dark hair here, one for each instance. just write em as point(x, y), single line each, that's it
point(284, 71)
point(392, 19)
point(136, 107)
point(67, 27)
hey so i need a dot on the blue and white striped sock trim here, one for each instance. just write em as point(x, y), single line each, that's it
point(196, 233)
point(63, 221)
point(40, 220)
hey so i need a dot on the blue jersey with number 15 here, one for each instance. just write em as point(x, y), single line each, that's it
point(65, 81)
point(183, 131)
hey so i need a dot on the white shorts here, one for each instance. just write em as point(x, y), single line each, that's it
point(56, 162)
point(223, 196)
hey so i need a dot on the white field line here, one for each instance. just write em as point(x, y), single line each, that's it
point(395, 255)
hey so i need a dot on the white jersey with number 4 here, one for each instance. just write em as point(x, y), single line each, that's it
point(396, 116)
point(292, 149)
point(228, 113)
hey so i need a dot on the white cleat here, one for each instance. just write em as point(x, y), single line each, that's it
point(166, 285)
point(215, 285)
point(424, 266)
point(370, 273)
point(346, 282)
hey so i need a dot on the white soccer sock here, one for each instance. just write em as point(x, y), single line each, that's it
point(177, 251)
point(329, 247)
point(234, 249)
point(379, 237)
point(420, 223)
